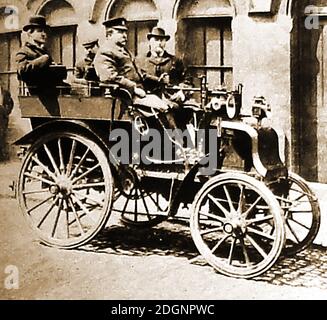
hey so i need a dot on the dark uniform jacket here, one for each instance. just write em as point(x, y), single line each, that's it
point(33, 67)
point(114, 64)
point(154, 67)
point(84, 69)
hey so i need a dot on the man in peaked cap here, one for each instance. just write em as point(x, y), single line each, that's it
point(33, 60)
point(84, 69)
point(114, 63)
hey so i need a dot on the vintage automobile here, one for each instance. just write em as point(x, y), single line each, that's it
point(244, 214)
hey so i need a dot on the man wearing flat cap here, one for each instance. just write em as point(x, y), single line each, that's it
point(159, 66)
point(33, 60)
point(114, 63)
point(84, 69)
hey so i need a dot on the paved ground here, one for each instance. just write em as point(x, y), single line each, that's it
point(123, 263)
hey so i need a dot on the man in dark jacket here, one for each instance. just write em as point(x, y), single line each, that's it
point(160, 67)
point(34, 62)
point(114, 63)
point(84, 69)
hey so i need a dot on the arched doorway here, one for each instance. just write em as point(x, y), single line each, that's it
point(142, 16)
point(204, 40)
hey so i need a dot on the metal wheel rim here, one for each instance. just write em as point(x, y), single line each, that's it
point(298, 244)
point(240, 269)
point(77, 205)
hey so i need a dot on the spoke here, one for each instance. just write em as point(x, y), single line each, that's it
point(246, 213)
point(256, 246)
point(231, 207)
point(230, 257)
point(61, 157)
point(71, 158)
point(84, 209)
point(100, 204)
point(211, 230)
point(57, 218)
point(145, 205)
point(220, 242)
point(245, 253)
point(241, 202)
point(261, 219)
point(89, 185)
point(125, 205)
point(44, 167)
point(48, 212)
point(156, 202)
point(303, 194)
point(299, 223)
point(214, 217)
point(54, 165)
point(261, 233)
point(135, 205)
point(76, 215)
point(85, 173)
point(223, 209)
point(36, 191)
point(292, 232)
point(40, 204)
point(67, 218)
point(38, 178)
point(79, 164)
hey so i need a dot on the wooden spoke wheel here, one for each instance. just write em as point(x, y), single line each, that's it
point(302, 215)
point(237, 225)
point(65, 189)
point(138, 205)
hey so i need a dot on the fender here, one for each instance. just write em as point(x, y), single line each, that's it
point(75, 126)
point(264, 147)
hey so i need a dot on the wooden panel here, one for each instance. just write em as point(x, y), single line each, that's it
point(195, 44)
point(95, 108)
point(228, 49)
point(213, 46)
point(213, 78)
point(54, 46)
point(14, 46)
point(143, 28)
point(68, 49)
point(131, 38)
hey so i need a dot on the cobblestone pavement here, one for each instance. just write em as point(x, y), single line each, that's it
point(306, 269)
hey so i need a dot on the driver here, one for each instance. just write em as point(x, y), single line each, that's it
point(114, 64)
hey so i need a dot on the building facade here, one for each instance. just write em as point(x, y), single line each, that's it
point(275, 48)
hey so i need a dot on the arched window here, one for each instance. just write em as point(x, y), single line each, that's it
point(9, 45)
point(142, 16)
point(204, 39)
point(60, 16)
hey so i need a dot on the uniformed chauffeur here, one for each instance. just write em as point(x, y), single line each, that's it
point(114, 64)
point(33, 60)
point(84, 69)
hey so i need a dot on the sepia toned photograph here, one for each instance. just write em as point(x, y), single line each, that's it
point(163, 150)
